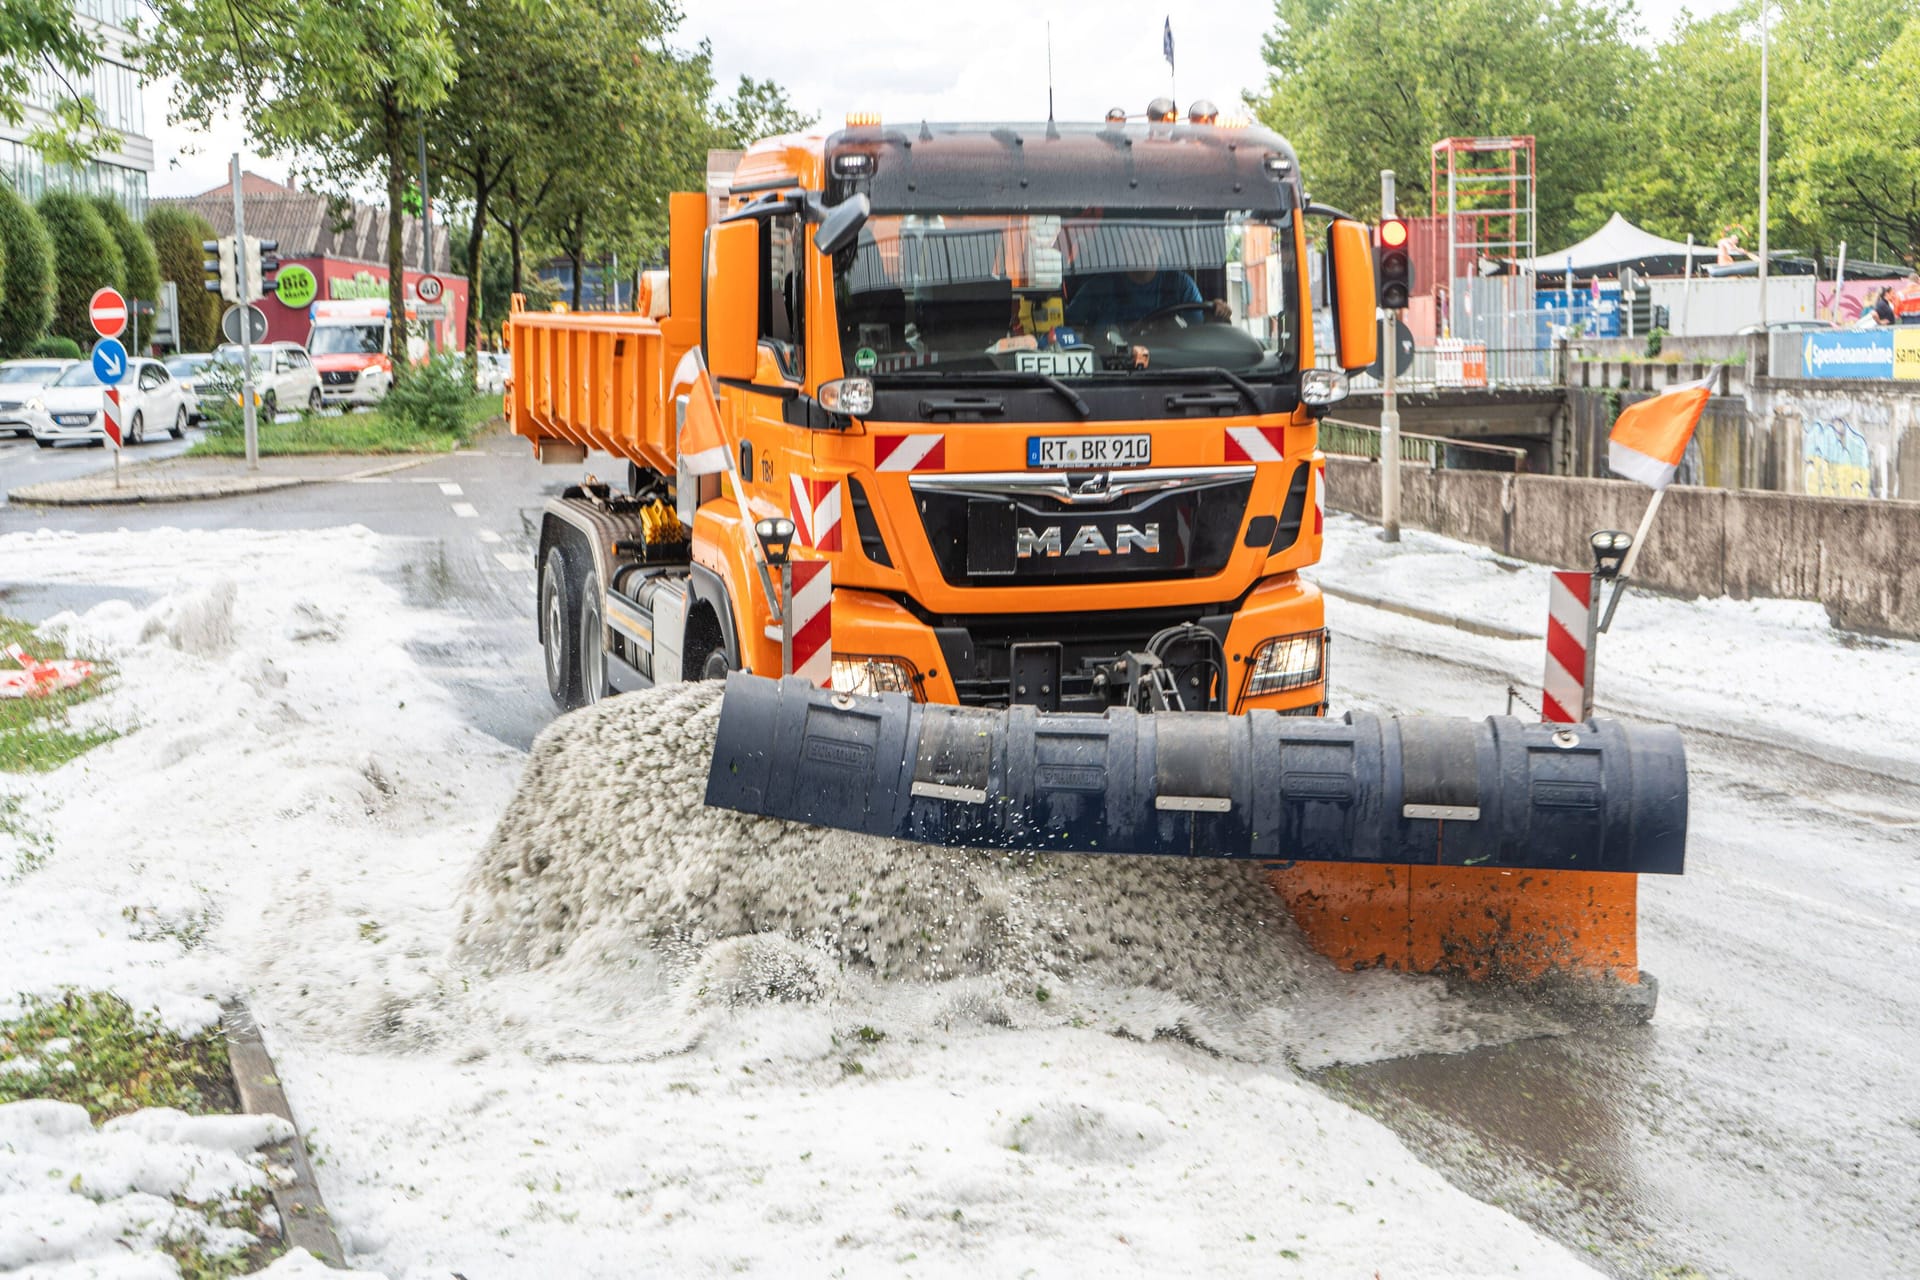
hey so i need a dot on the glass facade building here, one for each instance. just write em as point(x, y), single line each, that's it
point(114, 87)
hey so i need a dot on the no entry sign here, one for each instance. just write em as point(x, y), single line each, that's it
point(108, 311)
point(110, 415)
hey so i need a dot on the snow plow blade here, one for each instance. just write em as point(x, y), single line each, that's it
point(1428, 791)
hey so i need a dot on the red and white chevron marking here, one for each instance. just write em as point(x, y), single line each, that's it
point(1319, 499)
point(1256, 444)
point(110, 415)
point(813, 621)
point(910, 453)
point(1570, 600)
point(816, 513)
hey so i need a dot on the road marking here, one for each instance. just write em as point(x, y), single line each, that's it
point(488, 535)
point(465, 510)
point(451, 490)
point(516, 560)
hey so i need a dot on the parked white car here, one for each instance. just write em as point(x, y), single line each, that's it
point(21, 382)
point(151, 399)
point(283, 376)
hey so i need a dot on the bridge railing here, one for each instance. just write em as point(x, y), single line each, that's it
point(1345, 438)
point(1469, 367)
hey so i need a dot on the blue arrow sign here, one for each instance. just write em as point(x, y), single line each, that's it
point(109, 361)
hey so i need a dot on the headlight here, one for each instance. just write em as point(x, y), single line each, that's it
point(851, 396)
point(871, 677)
point(36, 405)
point(1323, 386)
point(1288, 662)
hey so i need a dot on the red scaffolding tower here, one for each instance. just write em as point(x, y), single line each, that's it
point(1485, 188)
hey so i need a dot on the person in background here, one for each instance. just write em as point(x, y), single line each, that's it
point(1729, 246)
point(1883, 307)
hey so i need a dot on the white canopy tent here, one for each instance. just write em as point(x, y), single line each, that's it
point(1616, 245)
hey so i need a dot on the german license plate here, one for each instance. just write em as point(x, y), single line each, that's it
point(1089, 451)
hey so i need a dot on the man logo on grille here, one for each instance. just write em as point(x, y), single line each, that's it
point(1089, 540)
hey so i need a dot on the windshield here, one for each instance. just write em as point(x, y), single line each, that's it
point(1081, 294)
point(28, 372)
point(79, 375)
point(230, 356)
point(187, 366)
point(347, 340)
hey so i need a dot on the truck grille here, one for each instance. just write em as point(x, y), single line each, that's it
point(993, 530)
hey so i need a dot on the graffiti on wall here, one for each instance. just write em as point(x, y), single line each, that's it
point(1835, 460)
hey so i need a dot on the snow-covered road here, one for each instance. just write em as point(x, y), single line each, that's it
point(312, 772)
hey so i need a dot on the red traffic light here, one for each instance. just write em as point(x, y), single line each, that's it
point(1393, 232)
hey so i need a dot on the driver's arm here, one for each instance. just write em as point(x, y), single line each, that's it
point(1189, 291)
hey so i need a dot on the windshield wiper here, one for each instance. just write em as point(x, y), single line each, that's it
point(978, 376)
point(1208, 373)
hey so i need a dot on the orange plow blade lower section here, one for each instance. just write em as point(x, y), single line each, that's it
point(1475, 922)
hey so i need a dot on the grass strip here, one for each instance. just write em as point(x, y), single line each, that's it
point(37, 734)
point(370, 432)
point(110, 1059)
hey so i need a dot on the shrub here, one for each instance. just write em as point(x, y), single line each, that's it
point(142, 267)
point(85, 259)
point(26, 288)
point(177, 235)
point(1656, 338)
point(50, 347)
point(431, 398)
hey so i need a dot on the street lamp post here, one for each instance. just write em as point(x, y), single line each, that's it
point(1764, 263)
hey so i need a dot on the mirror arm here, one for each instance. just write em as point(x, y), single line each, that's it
point(1315, 209)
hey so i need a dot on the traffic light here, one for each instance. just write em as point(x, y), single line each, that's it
point(1394, 271)
point(262, 262)
point(218, 266)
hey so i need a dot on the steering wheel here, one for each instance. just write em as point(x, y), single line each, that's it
point(1171, 309)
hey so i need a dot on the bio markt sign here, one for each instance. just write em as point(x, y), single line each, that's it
point(1847, 355)
point(1906, 354)
point(296, 286)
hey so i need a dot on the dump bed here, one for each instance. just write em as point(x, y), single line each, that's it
point(599, 379)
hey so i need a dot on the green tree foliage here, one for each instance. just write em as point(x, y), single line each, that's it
point(177, 235)
point(342, 82)
point(142, 266)
point(1365, 85)
point(39, 36)
point(758, 109)
point(85, 260)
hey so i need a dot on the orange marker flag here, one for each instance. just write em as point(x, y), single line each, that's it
point(703, 444)
point(1649, 439)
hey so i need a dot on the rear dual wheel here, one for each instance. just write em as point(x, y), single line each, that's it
point(573, 644)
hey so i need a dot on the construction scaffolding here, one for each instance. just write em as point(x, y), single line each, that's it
point(1485, 189)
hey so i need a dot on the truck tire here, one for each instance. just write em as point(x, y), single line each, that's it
point(591, 644)
point(559, 629)
point(716, 666)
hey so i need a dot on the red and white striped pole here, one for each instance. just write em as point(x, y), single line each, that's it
point(1572, 620)
point(809, 622)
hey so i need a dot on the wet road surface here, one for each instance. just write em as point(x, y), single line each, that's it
point(24, 462)
point(1766, 1123)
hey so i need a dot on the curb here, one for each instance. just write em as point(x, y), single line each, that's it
point(304, 1221)
point(80, 493)
point(1458, 623)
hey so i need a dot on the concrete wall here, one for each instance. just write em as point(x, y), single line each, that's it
point(1859, 557)
point(1842, 438)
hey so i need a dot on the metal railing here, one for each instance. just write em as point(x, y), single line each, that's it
point(1346, 439)
point(1484, 368)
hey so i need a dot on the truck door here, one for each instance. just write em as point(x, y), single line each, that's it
point(772, 451)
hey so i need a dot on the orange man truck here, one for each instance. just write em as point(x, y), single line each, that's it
point(1001, 440)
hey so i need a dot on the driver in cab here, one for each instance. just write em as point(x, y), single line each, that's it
point(1123, 299)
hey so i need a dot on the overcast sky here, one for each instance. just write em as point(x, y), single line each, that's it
point(983, 60)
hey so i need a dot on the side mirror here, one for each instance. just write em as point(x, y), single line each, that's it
point(1350, 287)
point(730, 303)
point(842, 223)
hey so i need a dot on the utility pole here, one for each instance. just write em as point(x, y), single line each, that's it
point(1389, 405)
point(246, 327)
point(1764, 263)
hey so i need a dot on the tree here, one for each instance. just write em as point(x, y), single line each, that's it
point(137, 255)
point(42, 36)
point(1366, 85)
point(759, 109)
point(341, 82)
point(26, 291)
point(177, 236)
point(85, 260)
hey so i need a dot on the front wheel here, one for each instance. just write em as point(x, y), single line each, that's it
point(44, 444)
point(557, 633)
point(179, 427)
point(137, 430)
point(270, 403)
point(313, 400)
point(716, 666)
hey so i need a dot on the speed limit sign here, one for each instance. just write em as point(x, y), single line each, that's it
point(430, 288)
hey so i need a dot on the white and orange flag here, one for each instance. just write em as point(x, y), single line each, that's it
point(703, 445)
point(1649, 439)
